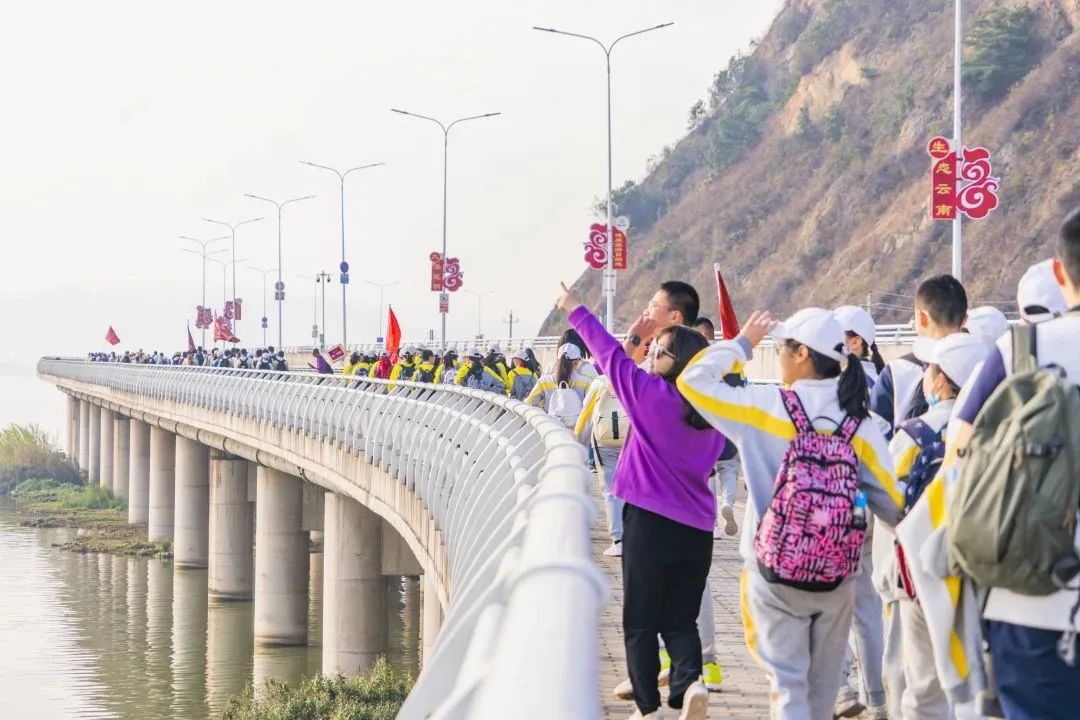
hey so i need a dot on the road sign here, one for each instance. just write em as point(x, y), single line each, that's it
point(344, 267)
point(622, 223)
point(264, 323)
point(279, 286)
point(344, 278)
point(444, 303)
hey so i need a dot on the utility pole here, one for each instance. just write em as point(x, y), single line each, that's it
point(510, 321)
point(958, 140)
point(324, 278)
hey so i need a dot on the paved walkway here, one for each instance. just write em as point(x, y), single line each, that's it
point(746, 692)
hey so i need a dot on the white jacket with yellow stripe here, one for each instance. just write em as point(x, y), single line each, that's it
point(587, 420)
point(755, 419)
point(541, 394)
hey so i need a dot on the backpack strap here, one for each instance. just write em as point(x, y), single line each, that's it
point(1024, 348)
point(848, 428)
point(921, 433)
point(796, 412)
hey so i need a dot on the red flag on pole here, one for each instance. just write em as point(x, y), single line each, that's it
point(223, 330)
point(190, 340)
point(393, 336)
point(111, 337)
point(729, 324)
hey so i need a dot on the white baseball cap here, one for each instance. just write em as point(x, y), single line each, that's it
point(519, 355)
point(815, 328)
point(570, 350)
point(1038, 294)
point(957, 355)
point(476, 353)
point(987, 323)
point(854, 319)
point(494, 348)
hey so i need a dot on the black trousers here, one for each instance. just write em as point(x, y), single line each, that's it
point(665, 566)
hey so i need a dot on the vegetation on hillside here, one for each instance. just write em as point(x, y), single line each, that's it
point(26, 452)
point(377, 695)
point(804, 167)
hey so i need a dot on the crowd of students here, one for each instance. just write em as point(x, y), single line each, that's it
point(910, 537)
point(260, 359)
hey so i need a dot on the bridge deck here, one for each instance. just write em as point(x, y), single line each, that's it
point(746, 690)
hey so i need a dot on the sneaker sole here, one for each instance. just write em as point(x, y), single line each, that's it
point(850, 711)
point(730, 526)
point(696, 707)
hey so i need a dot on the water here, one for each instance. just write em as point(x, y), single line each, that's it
point(104, 636)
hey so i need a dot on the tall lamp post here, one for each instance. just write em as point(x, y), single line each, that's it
point(204, 253)
point(279, 286)
point(446, 144)
point(315, 307)
point(479, 295)
point(264, 273)
point(232, 229)
point(609, 272)
point(958, 74)
point(323, 278)
point(344, 267)
point(382, 287)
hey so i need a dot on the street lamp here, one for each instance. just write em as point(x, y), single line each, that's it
point(315, 307)
point(446, 143)
point(204, 254)
point(224, 282)
point(232, 230)
point(609, 272)
point(279, 286)
point(264, 273)
point(381, 286)
point(479, 295)
point(344, 267)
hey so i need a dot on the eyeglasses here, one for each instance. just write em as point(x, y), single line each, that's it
point(659, 351)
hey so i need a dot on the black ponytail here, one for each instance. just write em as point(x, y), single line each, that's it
point(564, 370)
point(875, 357)
point(853, 392)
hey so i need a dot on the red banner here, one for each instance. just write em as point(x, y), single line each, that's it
point(729, 324)
point(238, 305)
point(393, 336)
point(111, 337)
point(977, 197)
point(223, 330)
point(204, 317)
point(596, 248)
point(228, 313)
point(453, 278)
point(436, 271)
point(335, 353)
point(942, 180)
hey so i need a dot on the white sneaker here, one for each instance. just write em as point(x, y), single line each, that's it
point(624, 690)
point(716, 535)
point(615, 550)
point(730, 526)
point(847, 704)
point(695, 703)
point(877, 712)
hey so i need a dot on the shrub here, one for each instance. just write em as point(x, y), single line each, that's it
point(1001, 50)
point(26, 452)
point(739, 129)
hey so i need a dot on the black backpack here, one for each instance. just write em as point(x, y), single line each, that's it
point(423, 375)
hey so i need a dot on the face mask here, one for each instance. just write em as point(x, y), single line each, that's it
point(932, 399)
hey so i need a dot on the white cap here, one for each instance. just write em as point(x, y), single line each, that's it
point(854, 319)
point(409, 350)
point(815, 328)
point(518, 355)
point(957, 355)
point(571, 351)
point(476, 352)
point(1039, 289)
point(494, 348)
point(987, 323)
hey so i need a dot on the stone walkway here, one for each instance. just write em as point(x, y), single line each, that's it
point(746, 690)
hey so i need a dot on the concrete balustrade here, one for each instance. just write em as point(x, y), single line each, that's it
point(192, 504)
point(281, 560)
point(139, 473)
point(354, 615)
point(84, 435)
point(93, 456)
point(162, 485)
point(121, 456)
point(231, 528)
point(105, 462)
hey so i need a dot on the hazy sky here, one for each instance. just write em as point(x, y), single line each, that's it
point(125, 122)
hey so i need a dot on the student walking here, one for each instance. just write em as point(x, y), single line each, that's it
point(669, 512)
point(860, 332)
point(798, 585)
point(562, 392)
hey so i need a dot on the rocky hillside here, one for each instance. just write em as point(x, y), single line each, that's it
point(804, 172)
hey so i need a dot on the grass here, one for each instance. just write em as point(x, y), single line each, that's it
point(377, 695)
point(47, 494)
point(27, 452)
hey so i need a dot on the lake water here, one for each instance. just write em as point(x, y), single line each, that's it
point(104, 636)
point(25, 399)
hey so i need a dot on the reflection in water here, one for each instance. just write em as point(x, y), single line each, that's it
point(134, 638)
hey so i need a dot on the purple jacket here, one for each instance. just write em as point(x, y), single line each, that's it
point(323, 367)
point(664, 466)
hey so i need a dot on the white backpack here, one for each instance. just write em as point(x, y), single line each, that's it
point(565, 405)
point(610, 423)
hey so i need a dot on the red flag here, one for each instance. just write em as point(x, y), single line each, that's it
point(393, 336)
point(223, 330)
point(190, 340)
point(729, 324)
point(111, 337)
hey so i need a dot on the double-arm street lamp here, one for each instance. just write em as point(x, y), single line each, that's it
point(382, 287)
point(232, 230)
point(205, 253)
point(264, 273)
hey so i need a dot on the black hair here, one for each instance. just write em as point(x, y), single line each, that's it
point(354, 358)
point(531, 362)
point(685, 344)
point(944, 299)
point(1069, 246)
point(684, 298)
point(564, 370)
point(853, 391)
point(426, 356)
point(870, 352)
point(570, 337)
point(448, 361)
point(704, 322)
point(314, 352)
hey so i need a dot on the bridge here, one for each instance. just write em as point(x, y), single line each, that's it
point(485, 498)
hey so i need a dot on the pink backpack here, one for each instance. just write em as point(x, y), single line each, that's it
point(811, 536)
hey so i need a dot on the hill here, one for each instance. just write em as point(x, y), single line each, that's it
point(805, 174)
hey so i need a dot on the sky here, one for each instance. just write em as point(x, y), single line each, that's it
point(125, 123)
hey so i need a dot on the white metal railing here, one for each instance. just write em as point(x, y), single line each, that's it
point(506, 485)
point(901, 334)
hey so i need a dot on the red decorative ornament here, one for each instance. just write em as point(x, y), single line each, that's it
point(453, 278)
point(596, 248)
point(436, 271)
point(979, 198)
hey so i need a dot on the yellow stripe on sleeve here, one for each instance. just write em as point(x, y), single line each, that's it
point(866, 453)
point(907, 461)
point(586, 413)
point(744, 414)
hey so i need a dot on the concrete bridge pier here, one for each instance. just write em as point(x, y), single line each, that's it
point(314, 509)
point(281, 560)
point(93, 461)
point(84, 435)
point(432, 619)
point(162, 484)
point(231, 528)
point(73, 428)
point(106, 461)
point(139, 473)
point(121, 455)
point(192, 517)
point(354, 616)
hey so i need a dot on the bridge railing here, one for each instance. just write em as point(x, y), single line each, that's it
point(507, 487)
